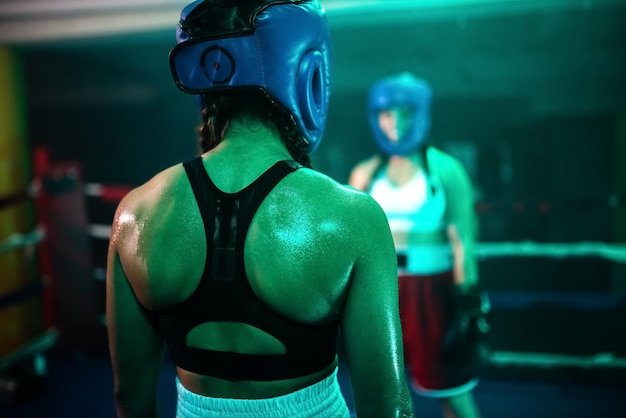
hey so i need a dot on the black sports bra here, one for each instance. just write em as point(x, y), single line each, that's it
point(225, 295)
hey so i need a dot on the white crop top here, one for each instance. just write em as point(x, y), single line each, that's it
point(412, 207)
point(416, 207)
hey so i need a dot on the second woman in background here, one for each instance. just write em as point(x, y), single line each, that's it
point(427, 196)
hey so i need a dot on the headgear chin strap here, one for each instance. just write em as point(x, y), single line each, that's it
point(281, 47)
point(402, 90)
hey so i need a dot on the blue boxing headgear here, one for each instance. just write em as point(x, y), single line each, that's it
point(281, 47)
point(401, 91)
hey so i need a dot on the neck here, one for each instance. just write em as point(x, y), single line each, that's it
point(250, 139)
point(402, 169)
point(249, 147)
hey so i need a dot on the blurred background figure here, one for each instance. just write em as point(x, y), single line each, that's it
point(222, 259)
point(428, 199)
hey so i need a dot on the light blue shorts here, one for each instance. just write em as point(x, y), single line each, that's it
point(321, 400)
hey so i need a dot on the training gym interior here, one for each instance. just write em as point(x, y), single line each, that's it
point(529, 95)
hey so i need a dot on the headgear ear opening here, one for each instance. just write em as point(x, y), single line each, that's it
point(401, 91)
point(310, 91)
point(283, 50)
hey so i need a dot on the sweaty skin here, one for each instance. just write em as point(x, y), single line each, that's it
point(316, 251)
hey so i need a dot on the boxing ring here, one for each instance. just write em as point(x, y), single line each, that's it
point(46, 297)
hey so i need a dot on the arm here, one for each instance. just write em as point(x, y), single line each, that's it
point(464, 342)
point(370, 328)
point(361, 175)
point(135, 345)
point(462, 223)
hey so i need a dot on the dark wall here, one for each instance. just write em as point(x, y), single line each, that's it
point(108, 105)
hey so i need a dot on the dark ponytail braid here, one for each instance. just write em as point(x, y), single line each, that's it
point(218, 108)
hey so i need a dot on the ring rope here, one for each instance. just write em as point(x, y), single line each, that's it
point(22, 240)
point(613, 252)
point(100, 231)
point(549, 360)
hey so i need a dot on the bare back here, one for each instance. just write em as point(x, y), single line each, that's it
point(299, 254)
point(315, 252)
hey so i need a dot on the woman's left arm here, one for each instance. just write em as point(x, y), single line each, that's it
point(461, 219)
point(135, 343)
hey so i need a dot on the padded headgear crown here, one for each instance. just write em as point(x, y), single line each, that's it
point(402, 90)
point(279, 46)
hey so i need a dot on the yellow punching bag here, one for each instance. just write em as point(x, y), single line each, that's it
point(20, 303)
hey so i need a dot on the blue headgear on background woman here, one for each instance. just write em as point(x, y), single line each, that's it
point(401, 91)
point(277, 49)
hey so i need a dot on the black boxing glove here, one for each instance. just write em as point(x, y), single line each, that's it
point(464, 342)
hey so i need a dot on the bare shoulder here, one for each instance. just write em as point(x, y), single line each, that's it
point(362, 173)
point(142, 202)
point(336, 199)
point(453, 175)
point(444, 161)
point(156, 237)
point(327, 185)
point(335, 225)
point(369, 163)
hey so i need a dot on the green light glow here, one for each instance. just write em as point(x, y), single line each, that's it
point(351, 12)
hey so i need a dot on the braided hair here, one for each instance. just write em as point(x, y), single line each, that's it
point(218, 108)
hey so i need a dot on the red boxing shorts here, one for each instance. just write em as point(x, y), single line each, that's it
point(426, 303)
